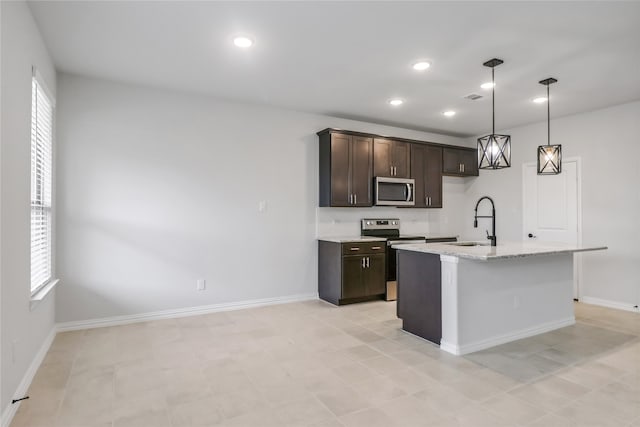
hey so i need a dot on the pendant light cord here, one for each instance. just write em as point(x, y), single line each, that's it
point(548, 117)
point(493, 100)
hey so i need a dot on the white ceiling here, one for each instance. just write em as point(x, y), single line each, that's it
point(347, 59)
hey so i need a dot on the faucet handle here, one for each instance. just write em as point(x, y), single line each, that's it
point(488, 236)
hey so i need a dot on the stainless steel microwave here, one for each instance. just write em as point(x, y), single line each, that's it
point(394, 191)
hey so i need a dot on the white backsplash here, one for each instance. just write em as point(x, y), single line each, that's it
point(344, 222)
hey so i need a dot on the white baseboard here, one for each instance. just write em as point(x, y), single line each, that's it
point(459, 350)
point(180, 312)
point(10, 411)
point(610, 304)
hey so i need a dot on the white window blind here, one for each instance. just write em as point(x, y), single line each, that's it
point(41, 185)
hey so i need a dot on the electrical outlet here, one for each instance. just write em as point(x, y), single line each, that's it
point(262, 206)
point(201, 284)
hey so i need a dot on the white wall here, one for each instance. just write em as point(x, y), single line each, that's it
point(157, 189)
point(606, 141)
point(22, 47)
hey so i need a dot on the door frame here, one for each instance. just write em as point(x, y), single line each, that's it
point(577, 257)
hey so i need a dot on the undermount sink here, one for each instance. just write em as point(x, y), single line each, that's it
point(469, 244)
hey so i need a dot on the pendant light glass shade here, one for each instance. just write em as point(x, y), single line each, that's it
point(494, 151)
point(549, 156)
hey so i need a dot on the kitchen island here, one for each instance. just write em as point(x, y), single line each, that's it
point(467, 296)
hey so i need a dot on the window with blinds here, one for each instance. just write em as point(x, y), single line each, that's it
point(41, 185)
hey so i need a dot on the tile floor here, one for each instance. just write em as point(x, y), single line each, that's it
point(312, 364)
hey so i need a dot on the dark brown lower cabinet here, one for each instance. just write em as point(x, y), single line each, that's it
point(419, 302)
point(351, 272)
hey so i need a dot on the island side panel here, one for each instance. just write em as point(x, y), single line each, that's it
point(419, 294)
point(504, 300)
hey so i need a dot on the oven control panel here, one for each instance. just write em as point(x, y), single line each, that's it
point(380, 224)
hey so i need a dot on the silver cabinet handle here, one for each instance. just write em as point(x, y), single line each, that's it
point(463, 168)
point(373, 248)
point(368, 262)
point(363, 263)
point(350, 199)
point(354, 249)
point(426, 200)
point(391, 170)
point(355, 199)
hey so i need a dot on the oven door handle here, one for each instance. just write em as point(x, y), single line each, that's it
point(404, 242)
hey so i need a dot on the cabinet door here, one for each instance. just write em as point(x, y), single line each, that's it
point(391, 158)
point(433, 176)
point(470, 161)
point(418, 173)
point(374, 275)
point(460, 161)
point(382, 157)
point(400, 159)
point(451, 161)
point(353, 285)
point(362, 170)
point(426, 169)
point(340, 159)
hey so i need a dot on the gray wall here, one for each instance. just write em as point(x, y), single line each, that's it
point(157, 189)
point(23, 331)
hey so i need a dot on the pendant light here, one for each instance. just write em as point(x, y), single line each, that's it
point(494, 151)
point(549, 156)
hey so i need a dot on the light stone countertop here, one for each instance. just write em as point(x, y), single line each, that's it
point(502, 251)
point(352, 239)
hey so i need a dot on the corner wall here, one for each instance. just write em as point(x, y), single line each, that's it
point(606, 141)
point(23, 332)
point(157, 189)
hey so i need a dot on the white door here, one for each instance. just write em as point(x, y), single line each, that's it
point(551, 210)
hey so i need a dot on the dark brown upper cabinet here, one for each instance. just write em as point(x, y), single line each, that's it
point(460, 161)
point(391, 158)
point(346, 170)
point(426, 170)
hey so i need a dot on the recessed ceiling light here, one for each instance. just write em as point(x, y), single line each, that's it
point(395, 102)
point(540, 99)
point(421, 66)
point(449, 113)
point(487, 85)
point(243, 41)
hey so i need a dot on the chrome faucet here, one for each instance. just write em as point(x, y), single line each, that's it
point(493, 237)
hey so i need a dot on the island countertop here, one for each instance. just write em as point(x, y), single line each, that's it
point(484, 252)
